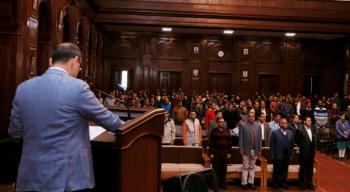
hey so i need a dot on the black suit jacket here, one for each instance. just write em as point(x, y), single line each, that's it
point(293, 128)
point(306, 147)
point(279, 141)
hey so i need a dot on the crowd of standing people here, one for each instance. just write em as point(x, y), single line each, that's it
point(280, 122)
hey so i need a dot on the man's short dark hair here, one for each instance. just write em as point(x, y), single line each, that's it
point(304, 119)
point(295, 115)
point(65, 51)
point(217, 111)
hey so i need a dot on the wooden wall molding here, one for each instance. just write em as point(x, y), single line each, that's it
point(123, 49)
point(274, 15)
point(171, 50)
point(267, 52)
point(27, 44)
point(170, 65)
point(278, 56)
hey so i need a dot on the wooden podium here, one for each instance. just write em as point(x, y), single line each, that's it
point(129, 161)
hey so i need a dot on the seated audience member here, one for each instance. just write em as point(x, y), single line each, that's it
point(220, 145)
point(192, 130)
point(342, 133)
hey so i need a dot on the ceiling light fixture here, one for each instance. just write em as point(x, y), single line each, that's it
point(289, 34)
point(167, 29)
point(228, 32)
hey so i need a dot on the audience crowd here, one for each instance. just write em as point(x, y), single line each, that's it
point(222, 120)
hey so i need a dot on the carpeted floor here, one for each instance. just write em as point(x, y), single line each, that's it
point(334, 174)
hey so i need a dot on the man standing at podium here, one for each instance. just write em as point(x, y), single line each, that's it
point(51, 112)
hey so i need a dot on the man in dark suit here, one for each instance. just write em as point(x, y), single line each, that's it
point(265, 130)
point(305, 138)
point(295, 124)
point(281, 148)
point(50, 113)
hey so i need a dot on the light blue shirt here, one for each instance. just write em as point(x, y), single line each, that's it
point(273, 126)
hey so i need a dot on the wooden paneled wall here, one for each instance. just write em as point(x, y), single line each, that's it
point(287, 59)
point(346, 73)
point(29, 30)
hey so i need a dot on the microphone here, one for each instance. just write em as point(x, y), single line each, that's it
point(116, 98)
point(120, 86)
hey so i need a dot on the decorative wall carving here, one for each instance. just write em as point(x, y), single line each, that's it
point(123, 48)
point(171, 50)
point(313, 54)
point(268, 52)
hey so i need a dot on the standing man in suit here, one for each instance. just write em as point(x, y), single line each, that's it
point(305, 138)
point(250, 147)
point(50, 113)
point(265, 130)
point(281, 148)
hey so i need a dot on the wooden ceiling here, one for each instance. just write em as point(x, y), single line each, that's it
point(310, 19)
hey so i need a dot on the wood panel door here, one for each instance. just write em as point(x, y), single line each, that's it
point(311, 86)
point(269, 84)
point(220, 82)
point(44, 39)
point(169, 81)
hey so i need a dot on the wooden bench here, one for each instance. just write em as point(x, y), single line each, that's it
point(234, 167)
point(177, 160)
point(293, 169)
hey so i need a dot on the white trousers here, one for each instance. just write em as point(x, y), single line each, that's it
point(248, 170)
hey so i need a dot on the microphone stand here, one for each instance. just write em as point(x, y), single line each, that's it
point(124, 102)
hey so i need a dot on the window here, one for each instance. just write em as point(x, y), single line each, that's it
point(125, 79)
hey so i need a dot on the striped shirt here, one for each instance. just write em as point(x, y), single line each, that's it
point(321, 116)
